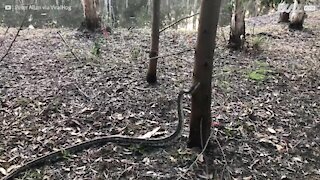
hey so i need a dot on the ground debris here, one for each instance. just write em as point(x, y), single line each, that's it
point(265, 127)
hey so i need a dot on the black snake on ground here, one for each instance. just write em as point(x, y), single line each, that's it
point(121, 140)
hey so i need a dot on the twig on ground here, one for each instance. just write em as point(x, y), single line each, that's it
point(6, 30)
point(174, 23)
point(15, 37)
point(1, 41)
point(124, 171)
point(65, 42)
point(223, 155)
point(106, 176)
point(82, 92)
point(206, 166)
point(271, 112)
point(197, 158)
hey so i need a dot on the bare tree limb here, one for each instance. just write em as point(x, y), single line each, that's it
point(167, 27)
point(2, 38)
point(6, 30)
point(15, 37)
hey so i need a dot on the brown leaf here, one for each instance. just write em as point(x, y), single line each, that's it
point(150, 134)
point(3, 171)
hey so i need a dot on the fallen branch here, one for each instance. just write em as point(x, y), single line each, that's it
point(65, 42)
point(224, 157)
point(126, 170)
point(169, 26)
point(15, 37)
point(82, 92)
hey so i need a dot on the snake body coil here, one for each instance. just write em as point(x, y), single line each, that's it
point(121, 140)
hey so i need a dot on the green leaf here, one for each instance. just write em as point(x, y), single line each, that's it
point(66, 154)
point(257, 76)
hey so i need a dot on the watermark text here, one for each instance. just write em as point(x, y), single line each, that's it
point(37, 7)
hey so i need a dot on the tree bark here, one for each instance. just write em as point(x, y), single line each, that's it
point(200, 123)
point(152, 70)
point(237, 27)
point(90, 12)
point(284, 17)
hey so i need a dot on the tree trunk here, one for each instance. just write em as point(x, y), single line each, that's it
point(297, 15)
point(90, 11)
point(195, 18)
point(127, 4)
point(200, 123)
point(284, 17)
point(237, 27)
point(152, 70)
point(284, 9)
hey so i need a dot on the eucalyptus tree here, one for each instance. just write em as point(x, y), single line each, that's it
point(202, 73)
point(90, 12)
point(152, 70)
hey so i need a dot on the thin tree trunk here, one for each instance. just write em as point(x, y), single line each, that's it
point(194, 24)
point(106, 9)
point(237, 27)
point(112, 14)
point(200, 123)
point(256, 7)
point(152, 70)
point(284, 17)
point(149, 6)
point(188, 5)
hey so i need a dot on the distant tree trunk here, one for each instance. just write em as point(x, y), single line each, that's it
point(149, 6)
point(256, 6)
point(188, 5)
point(284, 8)
point(200, 123)
point(152, 70)
point(251, 8)
point(297, 16)
point(237, 27)
point(127, 3)
point(195, 18)
point(114, 6)
point(284, 17)
point(90, 12)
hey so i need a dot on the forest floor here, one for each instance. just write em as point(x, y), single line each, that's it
point(265, 104)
